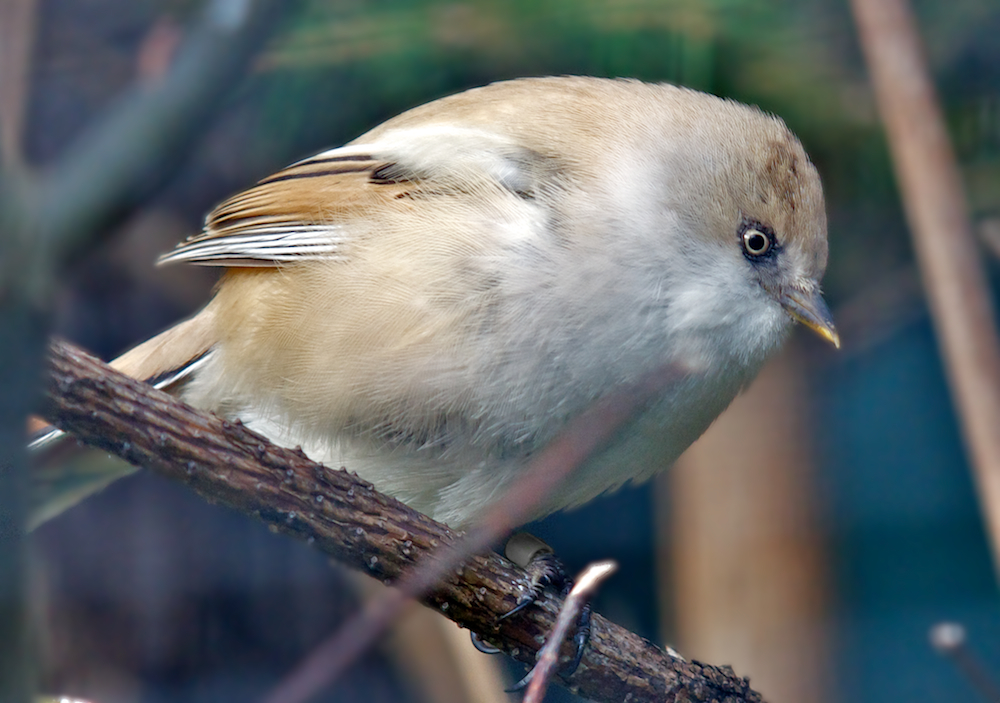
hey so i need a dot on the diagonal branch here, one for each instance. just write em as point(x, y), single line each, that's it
point(52, 218)
point(130, 153)
point(346, 518)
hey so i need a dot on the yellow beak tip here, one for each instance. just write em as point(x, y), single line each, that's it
point(808, 308)
point(832, 337)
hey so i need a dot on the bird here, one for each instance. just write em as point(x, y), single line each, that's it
point(431, 304)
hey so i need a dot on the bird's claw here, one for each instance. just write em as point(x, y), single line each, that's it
point(545, 569)
point(580, 640)
point(522, 684)
point(483, 646)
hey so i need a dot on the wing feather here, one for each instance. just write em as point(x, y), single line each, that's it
point(297, 214)
point(310, 209)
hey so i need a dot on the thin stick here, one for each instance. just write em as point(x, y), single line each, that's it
point(949, 639)
point(942, 234)
point(586, 582)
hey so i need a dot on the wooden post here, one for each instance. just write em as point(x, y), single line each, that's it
point(747, 568)
point(934, 201)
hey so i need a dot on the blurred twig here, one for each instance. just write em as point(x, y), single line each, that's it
point(21, 334)
point(538, 678)
point(949, 639)
point(935, 206)
point(343, 516)
point(131, 152)
point(17, 39)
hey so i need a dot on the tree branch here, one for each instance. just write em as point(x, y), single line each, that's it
point(346, 518)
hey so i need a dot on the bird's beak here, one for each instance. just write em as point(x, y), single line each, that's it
point(809, 308)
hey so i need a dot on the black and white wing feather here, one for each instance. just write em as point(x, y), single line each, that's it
point(295, 215)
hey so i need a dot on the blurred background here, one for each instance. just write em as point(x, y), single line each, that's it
point(810, 539)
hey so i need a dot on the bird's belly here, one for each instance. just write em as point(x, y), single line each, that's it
point(456, 484)
point(644, 446)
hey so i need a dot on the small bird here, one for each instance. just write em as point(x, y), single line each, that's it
point(434, 302)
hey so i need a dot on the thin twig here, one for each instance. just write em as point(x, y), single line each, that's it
point(946, 249)
point(343, 516)
point(949, 639)
point(586, 583)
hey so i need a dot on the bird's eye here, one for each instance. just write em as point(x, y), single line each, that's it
point(755, 242)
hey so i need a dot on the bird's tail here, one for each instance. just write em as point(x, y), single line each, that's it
point(61, 474)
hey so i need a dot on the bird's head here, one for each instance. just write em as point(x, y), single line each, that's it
point(755, 229)
point(781, 232)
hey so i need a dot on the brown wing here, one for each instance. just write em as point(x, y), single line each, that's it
point(297, 214)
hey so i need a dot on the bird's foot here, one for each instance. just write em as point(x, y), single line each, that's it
point(543, 566)
point(544, 569)
point(580, 640)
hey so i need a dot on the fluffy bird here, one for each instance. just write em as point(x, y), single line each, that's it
point(434, 302)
